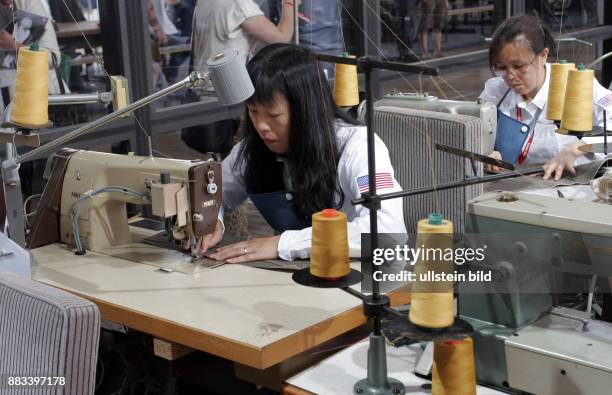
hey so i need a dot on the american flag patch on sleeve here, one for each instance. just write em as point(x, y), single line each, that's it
point(605, 102)
point(383, 180)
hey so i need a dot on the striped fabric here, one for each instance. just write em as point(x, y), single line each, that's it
point(46, 332)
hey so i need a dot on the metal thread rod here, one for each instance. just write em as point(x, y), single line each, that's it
point(356, 294)
point(372, 173)
point(366, 64)
point(193, 79)
point(296, 22)
point(372, 190)
point(450, 185)
point(80, 98)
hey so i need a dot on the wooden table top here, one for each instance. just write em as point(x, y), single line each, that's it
point(252, 316)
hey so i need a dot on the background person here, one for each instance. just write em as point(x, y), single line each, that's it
point(518, 57)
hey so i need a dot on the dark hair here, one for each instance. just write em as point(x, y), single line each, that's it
point(313, 155)
point(527, 27)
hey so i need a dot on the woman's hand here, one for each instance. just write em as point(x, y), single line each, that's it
point(258, 249)
point(564, 160)
point(210, 240)
point(492, 168)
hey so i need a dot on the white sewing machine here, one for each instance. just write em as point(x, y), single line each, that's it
point(533, 237)
point(84, 203)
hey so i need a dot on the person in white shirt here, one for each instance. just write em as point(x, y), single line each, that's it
point(300, 154)
point(518, 57)
point(239, 24)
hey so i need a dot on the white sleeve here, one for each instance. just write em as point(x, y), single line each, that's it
point(240, 11)
point(494, 90)
point(353, 165)
point(234, 189)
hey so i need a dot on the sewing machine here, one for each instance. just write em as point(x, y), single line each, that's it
point(84, 203)
point(532, 238)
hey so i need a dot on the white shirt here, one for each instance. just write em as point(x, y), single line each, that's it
point(216, 26)
point(353, 164)
point(546, 142)
point(159, 6)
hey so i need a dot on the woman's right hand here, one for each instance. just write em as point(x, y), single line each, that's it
point(210, 240)
point(492, 168)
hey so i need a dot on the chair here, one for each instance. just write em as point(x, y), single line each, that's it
point(46, 332)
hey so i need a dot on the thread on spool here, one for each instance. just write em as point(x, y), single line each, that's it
point(578, 105)
point(432, 301)
point(31, 100)
point(329, 254)
point(453, 368)
point(556, 92)
point(346, 84)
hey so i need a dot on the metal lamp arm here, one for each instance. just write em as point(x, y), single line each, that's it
point(194, 79)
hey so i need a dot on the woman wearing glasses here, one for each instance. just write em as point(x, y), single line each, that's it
point(517, 56)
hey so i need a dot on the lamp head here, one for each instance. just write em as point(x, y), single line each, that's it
point(229, 76)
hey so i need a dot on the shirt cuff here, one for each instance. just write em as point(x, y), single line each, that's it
point(284, 246)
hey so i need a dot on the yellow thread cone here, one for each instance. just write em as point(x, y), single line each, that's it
point(30, 101)
point(346, 85)
point(329, 255)
point(578, 106)
point(556, 92)
point(453, 368)
point(432, 301)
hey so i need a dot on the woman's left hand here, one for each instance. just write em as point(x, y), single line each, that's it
point(564, 160)
point(258, 249)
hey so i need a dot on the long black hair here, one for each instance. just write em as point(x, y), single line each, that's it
point(527, 27)
point(313, 154)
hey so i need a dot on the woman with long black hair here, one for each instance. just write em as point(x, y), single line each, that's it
point(300, 154)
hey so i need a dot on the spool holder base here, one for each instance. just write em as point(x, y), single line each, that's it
point(400, 328)
point(21, 126)
point(303, 277)
point(377, 382)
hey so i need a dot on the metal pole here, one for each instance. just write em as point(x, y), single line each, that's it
point(13, 197)
point(81, 98)
point(296, 23)
point(194, 78)
point(372, 188)
point(372, 39)
point(451, 185)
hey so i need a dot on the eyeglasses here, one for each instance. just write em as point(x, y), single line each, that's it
point(514, 70)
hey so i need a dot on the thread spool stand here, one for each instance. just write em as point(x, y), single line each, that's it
point(376, 306)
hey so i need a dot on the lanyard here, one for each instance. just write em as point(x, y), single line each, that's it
point(525, 151)
point(532, 125)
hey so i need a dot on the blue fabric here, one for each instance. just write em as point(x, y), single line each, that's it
point(511, 134)
point(278, 211)
point(510, 137)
